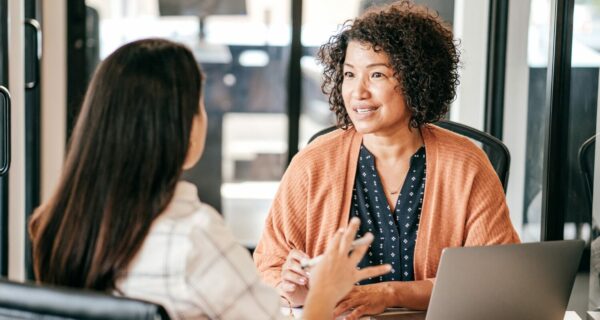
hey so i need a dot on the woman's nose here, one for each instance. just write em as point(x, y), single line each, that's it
point(360, 90)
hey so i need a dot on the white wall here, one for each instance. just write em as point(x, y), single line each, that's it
point(515, 105)
point(54, 93)
point(470, 26)
point(53, 112)
point(16, 174)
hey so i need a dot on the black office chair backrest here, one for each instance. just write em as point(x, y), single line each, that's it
point(586, 165)
point(495, 150)
point(322, 132)
point(30, 301)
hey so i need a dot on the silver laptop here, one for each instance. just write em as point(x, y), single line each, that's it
point(520, 281)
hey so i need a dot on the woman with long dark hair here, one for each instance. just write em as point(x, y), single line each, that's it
point(120, 221)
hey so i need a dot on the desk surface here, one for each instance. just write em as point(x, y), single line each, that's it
point(593, 315)
point(406, 314)
point(572, 315)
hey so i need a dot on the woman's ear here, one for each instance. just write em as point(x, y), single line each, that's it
point(197, 138)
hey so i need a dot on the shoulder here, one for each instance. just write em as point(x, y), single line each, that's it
point(204, 225)
point(220, 271)
point(212, 241)
point(187, 210)
point(187, 217)
point(454, 148)
point(321, 162)
point(202, 231)
point(191, 255)
point(325, 149)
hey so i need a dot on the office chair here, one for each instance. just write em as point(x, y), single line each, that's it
point(496, 151)
point(29, 301)
point(586, 165)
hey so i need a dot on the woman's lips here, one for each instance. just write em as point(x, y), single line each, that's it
point(365, 109)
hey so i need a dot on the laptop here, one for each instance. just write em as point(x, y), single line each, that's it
point(516, 281)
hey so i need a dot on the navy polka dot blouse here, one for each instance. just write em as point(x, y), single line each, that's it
point(394, 233)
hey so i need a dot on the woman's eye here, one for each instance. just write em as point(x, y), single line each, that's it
point(348, 74)
point(376, 75)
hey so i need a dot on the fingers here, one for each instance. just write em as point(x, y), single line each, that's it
point(294, 277)
point(334, 243)
point(371, 272)
point(292, 262)
point(345, 304)
point(359, 251)
point(356, 313)
point(288, 287)
point(349, 235)
point(293, 267)
point(292, 274)
point(296, 255)
point(340, 309)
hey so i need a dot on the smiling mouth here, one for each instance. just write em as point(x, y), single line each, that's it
point(364, 110)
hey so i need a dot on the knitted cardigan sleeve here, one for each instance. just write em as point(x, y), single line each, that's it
point(285, 226)
point(488, 220)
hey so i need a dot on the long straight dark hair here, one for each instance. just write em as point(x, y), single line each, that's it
point(124, 160)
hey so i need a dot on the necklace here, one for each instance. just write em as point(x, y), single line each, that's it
point(396, 191)
point(392, 191)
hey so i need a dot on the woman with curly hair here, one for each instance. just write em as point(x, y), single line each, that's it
point(390, 75)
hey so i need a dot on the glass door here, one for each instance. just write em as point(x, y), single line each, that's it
point(585, 95)
point(32, 117)
point(4, 137)
point(243, 48)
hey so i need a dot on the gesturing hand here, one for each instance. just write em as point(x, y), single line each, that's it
point(337, 273)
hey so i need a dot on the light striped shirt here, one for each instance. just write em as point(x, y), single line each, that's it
point(191, 265)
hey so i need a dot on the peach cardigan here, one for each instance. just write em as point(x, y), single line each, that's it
point(463, 204)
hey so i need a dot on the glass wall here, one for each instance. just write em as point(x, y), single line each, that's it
point(4, 212)
point(585, 64)
point(320, 20)
point(243, 47)
point(584, 118)
point(525, 114)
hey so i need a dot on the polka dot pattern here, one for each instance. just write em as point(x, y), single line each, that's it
point(395, 233)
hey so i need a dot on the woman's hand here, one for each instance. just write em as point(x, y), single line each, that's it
point(294, 281)
point(365, 299)
point(337, 273)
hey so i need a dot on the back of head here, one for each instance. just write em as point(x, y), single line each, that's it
point(421, 51)
point(124, 159)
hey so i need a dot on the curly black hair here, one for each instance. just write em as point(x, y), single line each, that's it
point(421, 50)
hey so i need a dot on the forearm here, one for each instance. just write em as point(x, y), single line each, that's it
point(268, 263)
point(409, 294)
point(271, 276)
